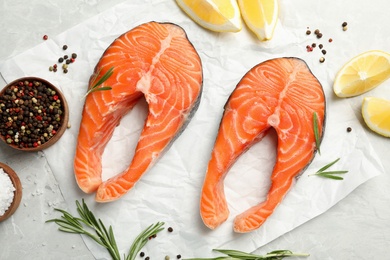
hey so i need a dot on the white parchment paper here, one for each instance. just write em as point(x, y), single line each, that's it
point(170, 191)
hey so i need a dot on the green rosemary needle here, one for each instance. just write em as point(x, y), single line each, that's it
point(103, 236)
point(235, 254)
point(316, 132)
point(96, 87)
point(330, 174)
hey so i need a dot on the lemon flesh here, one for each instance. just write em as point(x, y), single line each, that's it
point(376, 114)
point(215, 15)
point(362, 73)
point(260, 16)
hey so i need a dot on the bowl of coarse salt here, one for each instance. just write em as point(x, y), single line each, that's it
point(10, 191)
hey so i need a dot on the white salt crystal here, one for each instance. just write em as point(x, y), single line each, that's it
point(6, 192)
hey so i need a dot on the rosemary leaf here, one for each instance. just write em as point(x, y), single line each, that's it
point(330, 174)
point(143, 238)
point(104, 78)
point(99, 89)
point(328, 165)
point(235, 254)
point(316, 132)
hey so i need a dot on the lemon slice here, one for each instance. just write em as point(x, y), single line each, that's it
point(260, 16)
point(376, 114)
point(362, 73)
point(215, 15)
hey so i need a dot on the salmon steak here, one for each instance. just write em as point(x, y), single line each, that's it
point(281, 94)
point(154, 61)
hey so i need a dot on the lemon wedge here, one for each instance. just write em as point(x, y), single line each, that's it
point(215, 15)
point(362, 73)
point(376, 114)
point(260, 16)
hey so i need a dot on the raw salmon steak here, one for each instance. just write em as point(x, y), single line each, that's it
point(155, 61)
point(281, 94)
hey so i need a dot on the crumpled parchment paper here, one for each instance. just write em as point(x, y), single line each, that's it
point(170, 191)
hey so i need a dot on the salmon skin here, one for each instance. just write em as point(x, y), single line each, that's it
point(154, 60)
point(282, 94)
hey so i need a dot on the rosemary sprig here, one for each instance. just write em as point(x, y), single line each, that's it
point(235, 254)
point(330, 174)
point(316, 132)
point(143, 238)
point(96, 87)
point(103, 236)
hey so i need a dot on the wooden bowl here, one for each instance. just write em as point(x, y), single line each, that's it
point(19, 90)
point(17, 193)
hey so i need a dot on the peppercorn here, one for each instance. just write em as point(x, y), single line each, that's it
point(66, 57)
point(345, 28)
point(316, 31)
point(178, 256)
point(167, 257)
point(322, 59)
point(319, 35)
point(45, 37)
point(60, 60)
point(313, 45)
point(330, 40)
point(65, 47)
point(170, 229)
point(74, 55)
point(65, 71)
point(349, 129)
point(323, 52)
point(147, 258)
point(68, 61)
point(142, 254)
point(308, 32)
point(25, 122)
point(344, 24)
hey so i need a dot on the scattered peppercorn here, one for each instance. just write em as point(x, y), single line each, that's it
point(313, 45)
point(45, 37)
point(65, 47)
point(60, 60)
point(170, 229)
point(345, 28)
point(308, 32)
point(330, 40)
point(65, 71)
point(66, 57)
point(147, 258)
point(74, 55)
point(322, 59)
point(142, 254)
point(349, 129)
point(68, 61)
point(319, 35)
point(323, 52)
point(320, 46)
point(344, 24)
point(316, 31)
point(178, 256)
point(167, 257)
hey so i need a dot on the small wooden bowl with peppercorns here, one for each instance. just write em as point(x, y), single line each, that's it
point(17, 193)
point(34, 114)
